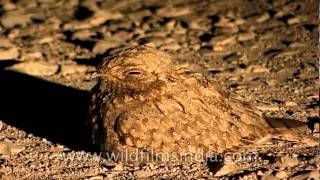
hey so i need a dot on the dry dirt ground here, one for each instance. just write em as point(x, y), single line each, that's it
point(263, 52)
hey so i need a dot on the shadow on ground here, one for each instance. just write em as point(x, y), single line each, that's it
point(46, 109)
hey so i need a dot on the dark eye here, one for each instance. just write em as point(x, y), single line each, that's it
point(134, 73)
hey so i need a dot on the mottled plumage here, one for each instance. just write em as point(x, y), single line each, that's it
point(144, 101)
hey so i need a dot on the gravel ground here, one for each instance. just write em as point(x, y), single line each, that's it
point(263, 52)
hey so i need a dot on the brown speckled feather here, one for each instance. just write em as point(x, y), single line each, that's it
point(144, 101)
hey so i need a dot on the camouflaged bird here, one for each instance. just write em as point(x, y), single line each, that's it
point(145, 101)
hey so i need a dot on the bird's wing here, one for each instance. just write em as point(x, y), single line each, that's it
point(263, 131)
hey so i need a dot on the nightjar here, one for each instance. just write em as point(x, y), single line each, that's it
point(144, 101)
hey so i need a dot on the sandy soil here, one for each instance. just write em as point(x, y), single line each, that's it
point(263, 52)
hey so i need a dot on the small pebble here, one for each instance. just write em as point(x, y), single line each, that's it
point(72, 69)
point(95, 178)
point(316, 128)
point(281, 174)
point(295, 20)
point(35, 68)
point(118, 167)
point(8, 51)
point(83, 35)
point(224, 41)
point(15, 18)
point(143, 174)
point(289, 161)
point(168, 11)
point(32, 56)
point(264, 17)
point(290, 104)
point(246, 36)
point(103, 45)
point(268, 108)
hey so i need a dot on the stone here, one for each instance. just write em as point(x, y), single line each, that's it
point(35, 68)
point(290, 103)
point(246, 36)
point(289, 162)
point(281, 174)
point(264, 17)
point(15, 18)
point(103, 45)
point(8, 51)
point(72, 69)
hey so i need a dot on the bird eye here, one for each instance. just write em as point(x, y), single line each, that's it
point(134, 73)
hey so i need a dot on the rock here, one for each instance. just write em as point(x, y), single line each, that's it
point(290, 103)
point(1, 125)
point(240, 21)
point(287, 161)
point(224, 41)
point(227, 169)
point(32, 56)
point(103, 45)
point(8, 6)
point(95, 178)
point(102, 16)
point(118, 167)
point(257, 69)
point(224, 22)
point(123, 35)
point(260, 173)
point(295, 20)
point(137, 16)
point(199, 24)
point(284, 74)
point(172, 46)
point(268, 108)
point(281, 174)
point(287, 54)
point(8, 51)
point(46, 39)
point(35, 68)
point(83, 35)
point(72, 69)
point(316, 128)
point(142, 174)
point(269, 177)
point(264, 17)
point(271, 82)
point(219, 48)
point(169, 11)
point(170, 25)
point(97, 19)
point(246, 36)
point(15, 18)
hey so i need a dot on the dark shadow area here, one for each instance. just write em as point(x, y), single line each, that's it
point(46, 109)
point(284, 123)
point(215, 163)
point(312, 121)
point(82, 13)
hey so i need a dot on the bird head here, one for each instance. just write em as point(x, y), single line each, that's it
point(134, 70)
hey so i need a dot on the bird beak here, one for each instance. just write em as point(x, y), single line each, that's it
point(95, 75)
